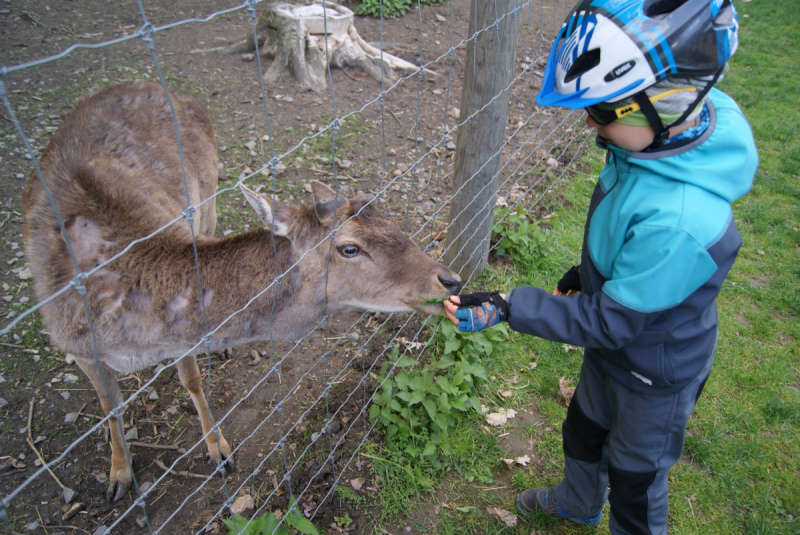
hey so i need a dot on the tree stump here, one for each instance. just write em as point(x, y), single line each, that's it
point(297, 37)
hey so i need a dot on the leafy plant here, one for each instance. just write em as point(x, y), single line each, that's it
point(417, 408)
point(269, 524)
point(343, 521)
point(520, 239)
point(391, 8)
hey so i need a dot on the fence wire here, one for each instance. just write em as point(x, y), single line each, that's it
point(537, 153)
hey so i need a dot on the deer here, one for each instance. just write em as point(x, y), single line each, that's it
point(113, 170)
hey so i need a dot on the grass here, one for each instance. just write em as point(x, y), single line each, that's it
point(740, 471)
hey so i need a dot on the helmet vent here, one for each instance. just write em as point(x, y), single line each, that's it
point(654, 8)
point(585, 62)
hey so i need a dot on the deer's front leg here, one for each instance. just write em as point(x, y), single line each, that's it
point(121, 476)
point(218, 447)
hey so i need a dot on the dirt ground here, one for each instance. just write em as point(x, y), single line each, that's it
point(278, 422)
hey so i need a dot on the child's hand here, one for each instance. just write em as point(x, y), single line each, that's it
point(478, 311)
point(570, 283)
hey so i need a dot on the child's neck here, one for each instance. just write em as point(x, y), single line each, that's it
point(680, 128)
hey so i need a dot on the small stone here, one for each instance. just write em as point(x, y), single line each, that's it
point(132, 434)
point(101, 478)
point(70, 378)
point(70, 417)
point(248, 57)
point(552, 162)
point(3, 403)
point(352, 336)
point(440, 18)
point(288, 99)
point(242, 504)
point(31, 527)
point(450, 145)
point(147, 485)
point(69, 359)
point(25, 274)
point(153, 395)
point(65, 395)
point(100, 531)
point(141, 520)
point(19, 175)
point(250, 145)
point(69, 495)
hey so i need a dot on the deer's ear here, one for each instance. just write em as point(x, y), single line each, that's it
point(327, 202)
point(271, 214)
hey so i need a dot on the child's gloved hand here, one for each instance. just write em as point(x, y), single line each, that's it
point(478, 311)
point(570, 283)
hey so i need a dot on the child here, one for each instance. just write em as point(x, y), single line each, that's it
point(658, 243)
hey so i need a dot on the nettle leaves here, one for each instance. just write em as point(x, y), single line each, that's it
point(418, 404)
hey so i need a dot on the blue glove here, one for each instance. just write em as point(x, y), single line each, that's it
point(479, 311)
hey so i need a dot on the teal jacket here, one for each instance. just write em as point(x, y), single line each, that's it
point(659, 241)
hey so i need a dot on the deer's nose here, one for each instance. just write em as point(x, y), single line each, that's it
point(451, 285)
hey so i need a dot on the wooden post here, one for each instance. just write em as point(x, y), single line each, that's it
point(488, 72)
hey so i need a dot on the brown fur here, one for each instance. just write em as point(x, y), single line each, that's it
point(113, 169)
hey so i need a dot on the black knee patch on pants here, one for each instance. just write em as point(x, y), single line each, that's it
point(628, 498)
point(583, 438)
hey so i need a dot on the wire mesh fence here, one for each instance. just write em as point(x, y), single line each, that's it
point(296, 413)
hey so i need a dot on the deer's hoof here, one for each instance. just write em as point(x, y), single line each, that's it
point(227, 462)
point(116, 490)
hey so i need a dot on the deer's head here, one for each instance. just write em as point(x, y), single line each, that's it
point(368, 264)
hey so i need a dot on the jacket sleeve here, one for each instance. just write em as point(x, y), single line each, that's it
point(597, 321)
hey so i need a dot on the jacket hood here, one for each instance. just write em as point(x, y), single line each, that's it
point(723, 160)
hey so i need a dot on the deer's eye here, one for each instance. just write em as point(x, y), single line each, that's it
point(349, 250)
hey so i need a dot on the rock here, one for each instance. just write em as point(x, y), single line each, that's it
point(100, 531)
point(31, 527)
point(153, 395)
point(3, 403)
point(552, 162)
point(69, 495)
point(248, 57)
point(69, 359)
point(132, 434)
point(141, 520)
point(147, 485)
point(242, 504)
point(450, 145)
point(70, 378)
point(440, 18)
point(25, 274)
point(250, 145)
point(70, 417)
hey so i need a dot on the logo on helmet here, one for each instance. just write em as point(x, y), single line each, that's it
point(620, 70)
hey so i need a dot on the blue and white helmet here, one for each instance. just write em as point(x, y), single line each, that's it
point(608, 50)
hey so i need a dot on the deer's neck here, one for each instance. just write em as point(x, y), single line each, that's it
point(249, 290)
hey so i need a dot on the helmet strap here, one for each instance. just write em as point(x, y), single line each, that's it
point(661, 131)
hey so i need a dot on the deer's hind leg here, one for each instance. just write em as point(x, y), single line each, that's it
point(121, 475)
point(190, 377)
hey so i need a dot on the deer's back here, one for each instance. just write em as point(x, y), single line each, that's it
point(114, 172)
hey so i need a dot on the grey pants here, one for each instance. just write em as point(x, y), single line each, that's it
point(619, 439)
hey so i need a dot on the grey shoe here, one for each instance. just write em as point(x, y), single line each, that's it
point(534, 500)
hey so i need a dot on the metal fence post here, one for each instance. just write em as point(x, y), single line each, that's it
point(489, 68)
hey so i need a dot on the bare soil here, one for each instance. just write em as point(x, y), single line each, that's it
point(277, 424)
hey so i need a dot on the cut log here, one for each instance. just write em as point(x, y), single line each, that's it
point(297, 37)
